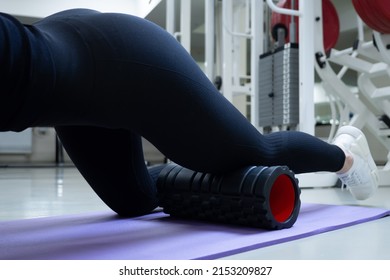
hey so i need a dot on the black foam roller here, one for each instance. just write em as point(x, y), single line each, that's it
point(255, 196)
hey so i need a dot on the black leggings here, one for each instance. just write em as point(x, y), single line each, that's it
point(105, 80)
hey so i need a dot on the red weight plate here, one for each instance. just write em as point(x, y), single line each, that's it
point(331, 23)
point(366, 14)
point(384, 6)
point(369, 15)
point(382, 9)
point(362, 13)
point(377, 16)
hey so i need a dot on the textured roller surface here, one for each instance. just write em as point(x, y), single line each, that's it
point(255, 196)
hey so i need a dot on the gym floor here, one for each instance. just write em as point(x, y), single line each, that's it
point(40, 192)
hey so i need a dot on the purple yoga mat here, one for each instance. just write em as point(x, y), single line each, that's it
point(158, 236)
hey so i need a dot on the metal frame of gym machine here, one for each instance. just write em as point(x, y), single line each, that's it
point(344, 101)
point(307, 13)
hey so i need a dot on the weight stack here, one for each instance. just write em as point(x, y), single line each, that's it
point(255, 196)
point(279, 87)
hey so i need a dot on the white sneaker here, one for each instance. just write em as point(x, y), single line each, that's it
point(362, 178)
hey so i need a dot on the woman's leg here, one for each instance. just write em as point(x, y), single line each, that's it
point(141, 79)
point(113, 164)
point(122, 72)
point(133, 75)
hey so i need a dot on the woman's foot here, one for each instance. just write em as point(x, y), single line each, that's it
point(360, 173)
